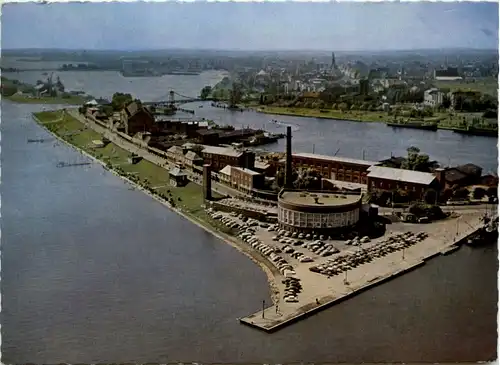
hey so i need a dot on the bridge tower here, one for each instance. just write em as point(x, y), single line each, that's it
point(171, 98)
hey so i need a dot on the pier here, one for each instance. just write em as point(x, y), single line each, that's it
point(321, 293)
point(66, 164)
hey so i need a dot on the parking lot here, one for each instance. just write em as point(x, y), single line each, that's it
point(311, 265)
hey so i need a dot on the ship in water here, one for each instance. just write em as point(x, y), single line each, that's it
point(429, 126)
point(478, 131)
point(185, 73)
point(488, 234)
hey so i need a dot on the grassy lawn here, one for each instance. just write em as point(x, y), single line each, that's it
point(444, 119)
point(49, 116)
point(189, 199)
point(24, 99)
point(486, 85)
point(359, 116)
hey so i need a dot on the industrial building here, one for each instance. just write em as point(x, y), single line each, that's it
point(333, 167)
point(318, 212)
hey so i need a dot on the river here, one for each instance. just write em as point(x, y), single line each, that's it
point(371, 141)
point(95, 272)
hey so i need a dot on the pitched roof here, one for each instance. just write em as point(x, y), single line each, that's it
point(177, 172)
point(226, 170)
point(132, 108)
point(222, 151)
point(410, 176)
point(190, 155)
point(245, 170)
point(453, 175)
point(261, 165)
point(335, 159)
point(176, 149)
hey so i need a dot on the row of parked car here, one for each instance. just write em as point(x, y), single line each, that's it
point(292, 290)
point(351, 260)
point(247, 234)
point(296, 254)
point(227, 221)
point(357, 241)
point(318, 247)
point(301, 236)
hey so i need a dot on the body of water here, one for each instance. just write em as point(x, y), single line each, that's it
point(374, 141)
point(95, 272)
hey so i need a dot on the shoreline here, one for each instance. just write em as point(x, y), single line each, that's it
point(440, 126)
point(21, 99)
point(261, 262)
point(334, 291)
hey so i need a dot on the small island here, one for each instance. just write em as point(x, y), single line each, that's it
point(44, 92)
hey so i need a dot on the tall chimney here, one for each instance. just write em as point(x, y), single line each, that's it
point(207, 182)
point(288, 163)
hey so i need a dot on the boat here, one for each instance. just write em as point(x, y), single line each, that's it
point(478, 131)
point(184, 73)
point(414, 125)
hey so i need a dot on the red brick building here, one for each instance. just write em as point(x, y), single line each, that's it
point(136, 119)
point(390, 179)
point(241, 178)
point(220, 157)
point(335, 168)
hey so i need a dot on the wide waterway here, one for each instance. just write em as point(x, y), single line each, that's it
point(373, 141)
point(92, 271)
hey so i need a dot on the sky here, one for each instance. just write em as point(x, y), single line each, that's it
point(250, 26)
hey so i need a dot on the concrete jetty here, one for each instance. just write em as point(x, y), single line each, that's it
point(321, 292)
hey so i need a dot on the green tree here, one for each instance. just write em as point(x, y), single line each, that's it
point(479, 193)
point(342, 106)
point(461, 193)
point(205, 92)
point(415, 160)
point(446, 102)
point(492, 192)
point(107, 109)
point(430, 196)
point(120, 100)
point(235, 96)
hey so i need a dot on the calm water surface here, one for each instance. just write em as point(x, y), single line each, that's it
point(92, 271)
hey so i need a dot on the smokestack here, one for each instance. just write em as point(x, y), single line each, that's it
point(288, 163)
point(207, 182)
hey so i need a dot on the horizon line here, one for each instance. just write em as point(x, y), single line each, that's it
point(378, 50)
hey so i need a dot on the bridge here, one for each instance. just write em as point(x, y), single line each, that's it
point(176, 99)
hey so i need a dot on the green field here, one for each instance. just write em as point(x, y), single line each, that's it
point(188, 199)
point(25, 99)
point(486, 86)
point(356, 116)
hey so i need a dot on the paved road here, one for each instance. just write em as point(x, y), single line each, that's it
point(450, 208)
point(223, 189)
point(128, 146)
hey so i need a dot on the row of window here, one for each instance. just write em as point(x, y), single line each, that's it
point(318, 220)
point(389, 185)
point(326, 167)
